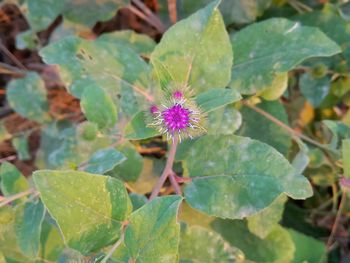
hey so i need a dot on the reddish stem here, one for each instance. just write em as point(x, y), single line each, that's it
point(167, 170)
point(175, 184)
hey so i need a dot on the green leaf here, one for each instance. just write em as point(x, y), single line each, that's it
point(137, 128)
point(225, 183)
point(27, 39)
point(216, 98)
point(98, 107)
point(20, 144)
point(51, 243)
point(276, 247)
point(140, 43)
point(202, 245)
point(346, 159)
point(27, 96)
point(88, 12)
point(41, 13)
point(137, 200)
point(307, 249)
point(111, 66)
point(12, 180)
point(103, 161)
point(29, 218)
point(260, 128)
point(265, 221)
point(153, 232)
point(89, 210)
point(131, 168)
point(273, 46)
point(199, 62)
point(314, 89)
point(224, 121)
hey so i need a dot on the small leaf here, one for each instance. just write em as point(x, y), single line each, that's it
point(27, 96)
point(277, 87)
point(199, 62)
point(12, 180)
point(137, 128)
point(20, 144)
point(89, 210)
point(29, 218)
point(98, 107)
point(202, 245)
point(314, 89)
point(273, 46)
point(226, 184)
point(103, 161)
point(153, 233)
point(131, 168)
point(307, 249)
point(216, 98)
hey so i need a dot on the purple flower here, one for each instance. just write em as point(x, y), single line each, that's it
point(178, 116)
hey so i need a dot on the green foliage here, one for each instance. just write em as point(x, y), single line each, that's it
point(273, 98)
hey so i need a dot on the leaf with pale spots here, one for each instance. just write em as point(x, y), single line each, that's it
point(199, 61)
point(199, 244)
point(89, 210)
point(12, 180)
point(237, 177)
point(103, 161)
point(153, 232)
point(224, 121)
point(27, 96)
point(273, 46)
point(109, 65)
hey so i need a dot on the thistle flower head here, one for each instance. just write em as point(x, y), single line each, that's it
point(178, 116)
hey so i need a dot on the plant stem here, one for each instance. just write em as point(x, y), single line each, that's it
point(175, 184)
point(337, 219)
point(12, 57)
point(12, 198)
point(111, 251)
point(289, 129)
point(167, 170)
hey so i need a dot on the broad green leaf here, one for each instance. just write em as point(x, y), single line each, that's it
point(121, 254)
point(113, 67)
point(314, 89)
point(260, 128)
point(226, 184)
point(137, 128)
point(41, 13)
point(29, 218)
point(89, 210)
point(273, 46)
point(277, 247)
point(346, 157)
point(12, 180)
point(98, 107)
point(265, 221)
point(199, 62)
point(216, 98)
point(103, 161)
point(325, 20)
point(224, 121)
point(131, 168)
point(307, 249)
point(277, 87)
point(153, 233)
point(20, 144)
point(193, 217)
point(88, 12)
point(202, 245)
point(140, 43)
point(27, 96)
